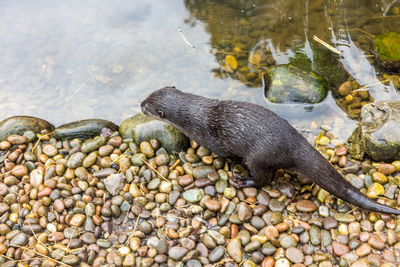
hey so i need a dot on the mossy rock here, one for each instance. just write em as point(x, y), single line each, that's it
point(388, 46)
point(22, 124)
point(83, 129)
point(143, 128)
point(378, 135)
point(289, 84)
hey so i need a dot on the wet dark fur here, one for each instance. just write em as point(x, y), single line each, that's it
point(264, 140)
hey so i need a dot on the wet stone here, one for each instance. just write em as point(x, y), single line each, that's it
point(20, 239)
point(177, 253)
point(216, 254)
point(244, 211)
point(295, 255)
point(193, 195)
point(306, 206)
point(340, 249)
point(288, 241)
point(115, 183)
point(75, 160)
point(234, 249)
point(329, 223)
point(275, 205)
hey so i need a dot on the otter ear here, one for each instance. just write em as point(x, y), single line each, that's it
point(161, 114)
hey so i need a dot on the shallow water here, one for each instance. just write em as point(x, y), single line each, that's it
point(72, 60)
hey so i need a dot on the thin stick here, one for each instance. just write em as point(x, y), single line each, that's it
point(184, 38)
point(40, 254)
point(148, 165)
point(40, 139)
point(133, 231)
point(75, 92)
point(315, 38)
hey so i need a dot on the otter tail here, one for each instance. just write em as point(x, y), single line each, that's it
point(311, 163)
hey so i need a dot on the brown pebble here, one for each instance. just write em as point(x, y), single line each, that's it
point(45, 192)
point(15, 139)
point(340, 249)
point(5, 145)
point(250, 191)
point(268, 262)
point(386, 168)
point(342, 161)
point(341, 151)
point(172, 233)
point(212, 204)
point(58, 205)
point(306, 205)
point(376, 242)
point(282, 227)
point(185, 180)
point(19, 170)
point(115, 141)
point(363, 250)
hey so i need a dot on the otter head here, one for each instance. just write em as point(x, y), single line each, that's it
point(162, 104)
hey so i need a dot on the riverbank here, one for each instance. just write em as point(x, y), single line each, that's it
point(110, 201)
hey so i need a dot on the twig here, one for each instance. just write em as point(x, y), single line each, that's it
point(184, 38)
point(315, 38)
point(133, 231)
point(75, 92)
point(148, 165)
point(40, 254)
point(40, 139)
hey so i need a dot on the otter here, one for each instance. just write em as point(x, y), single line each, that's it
point(265, 141)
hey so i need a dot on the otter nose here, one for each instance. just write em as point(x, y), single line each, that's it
point(143, 106)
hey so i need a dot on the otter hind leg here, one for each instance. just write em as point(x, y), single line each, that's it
point(259, 177)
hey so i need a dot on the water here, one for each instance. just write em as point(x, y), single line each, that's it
point(71, 60)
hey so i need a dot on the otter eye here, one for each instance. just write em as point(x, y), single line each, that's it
point(161, 114)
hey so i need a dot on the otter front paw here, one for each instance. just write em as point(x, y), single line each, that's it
point(243, 181)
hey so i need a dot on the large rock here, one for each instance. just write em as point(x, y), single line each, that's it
point(83, 129)
point(21, 124)
point(378, 134)
point(143, 128)
point(289, 84)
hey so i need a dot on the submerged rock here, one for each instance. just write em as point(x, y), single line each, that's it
point(144, 128)
point(83, 129)
point(378, 134)
point(21, 124)
point(288, 84)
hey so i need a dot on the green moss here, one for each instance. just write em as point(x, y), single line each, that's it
point(388, 46)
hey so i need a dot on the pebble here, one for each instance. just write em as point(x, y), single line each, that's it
point(36, 177)
point(234, 249)
point(216, 254)
point(19, 240)
point(19, 170)
point(295, 255)
point(244, 212)
point(288, 241)
point(177, 253)
point(75, 160)
point(212, 204)
point(375, 190)
point(376, 242)
point(340, 249)
point(77, 220)
point(363, 250)
point(306, 206)
point(193, 195)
